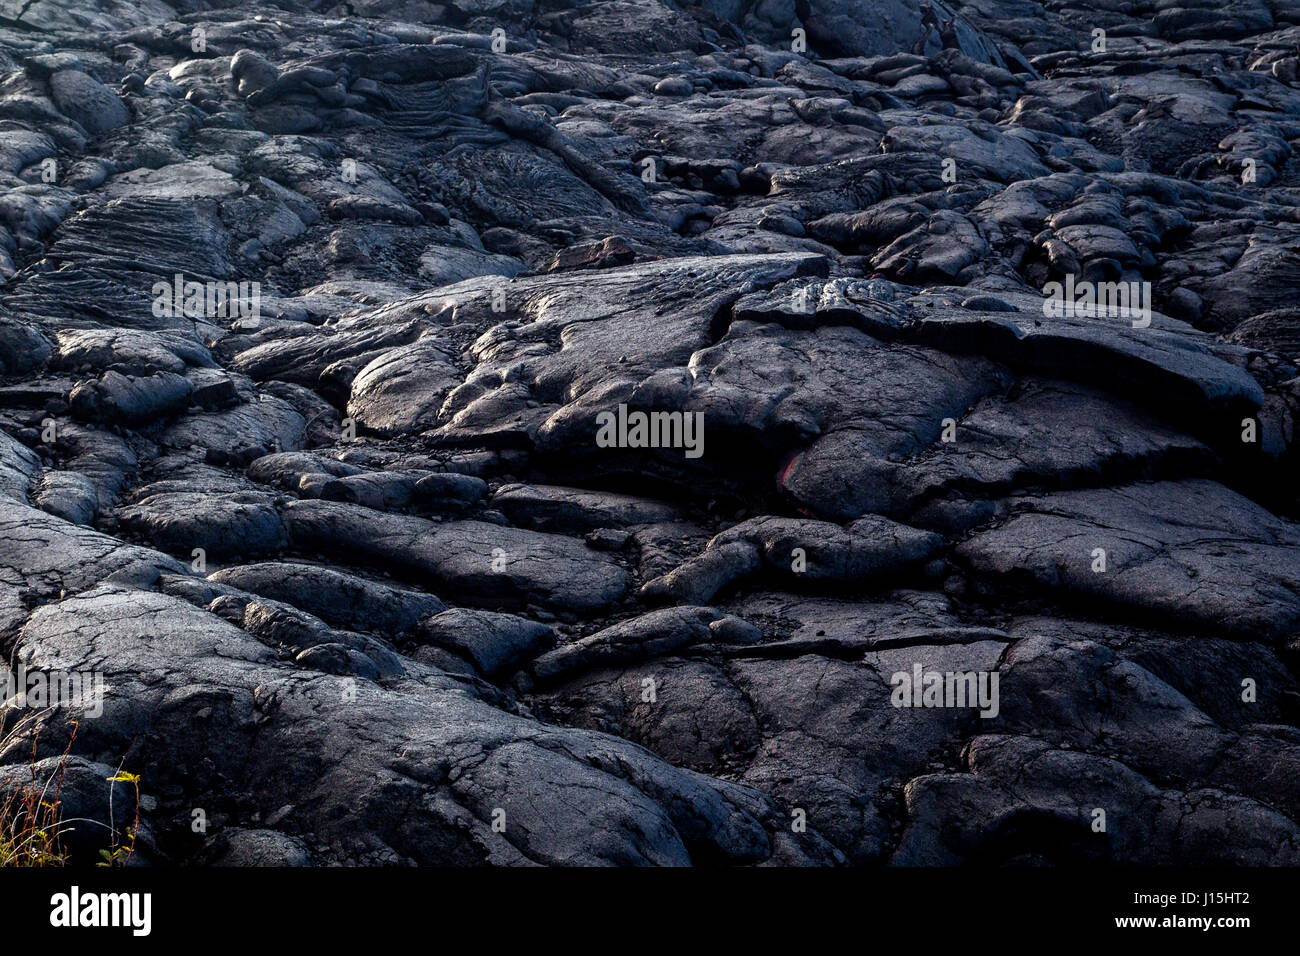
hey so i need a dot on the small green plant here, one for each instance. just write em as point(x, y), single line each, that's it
point(120, 853)
point(32, 824)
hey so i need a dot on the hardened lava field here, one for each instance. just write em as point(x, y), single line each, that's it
point(753, 432)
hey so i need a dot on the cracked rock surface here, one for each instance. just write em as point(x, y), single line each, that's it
point(576, 433)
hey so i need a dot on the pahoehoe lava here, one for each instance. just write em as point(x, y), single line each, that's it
point(524, 431)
